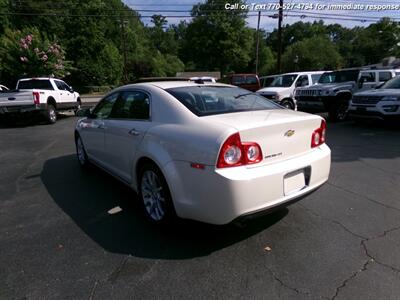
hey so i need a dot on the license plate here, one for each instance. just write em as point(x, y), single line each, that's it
point(294, 182)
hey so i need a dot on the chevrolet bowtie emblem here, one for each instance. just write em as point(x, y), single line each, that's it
point(289, 133)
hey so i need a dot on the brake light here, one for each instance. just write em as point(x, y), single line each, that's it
point(234, 153)
point(36, 98)
point(319, 135)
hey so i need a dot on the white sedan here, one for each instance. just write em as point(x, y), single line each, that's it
point(208, 152)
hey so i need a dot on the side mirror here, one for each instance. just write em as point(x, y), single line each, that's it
point(379, 85)
point(84, 113)
point(71, 90)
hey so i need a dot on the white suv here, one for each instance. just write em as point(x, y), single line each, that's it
point(283, 87)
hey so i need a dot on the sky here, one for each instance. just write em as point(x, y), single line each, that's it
point(363, 16)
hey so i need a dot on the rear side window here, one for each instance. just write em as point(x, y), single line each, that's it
point(132, 105)
point(40, 84)
point(212, 100)
point(385, 76)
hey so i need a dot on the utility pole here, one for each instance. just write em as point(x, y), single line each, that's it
point(123, 38)
point(258, 39)
point(280, 17)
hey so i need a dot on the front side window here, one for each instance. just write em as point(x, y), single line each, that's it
point(368, 77)
point(132, 105)
point(105, 106)
point(302, 81)
point(212, 100)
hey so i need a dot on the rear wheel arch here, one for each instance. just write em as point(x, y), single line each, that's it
point(52, 101)
point(141, 162)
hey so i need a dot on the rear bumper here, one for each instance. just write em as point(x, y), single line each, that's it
point(20, 109)
point(218, 196)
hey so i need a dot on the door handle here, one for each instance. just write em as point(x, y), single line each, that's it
point(134, 132)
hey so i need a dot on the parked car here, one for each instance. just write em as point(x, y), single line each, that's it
point(335, 89)
point(3, 88)
point(382, 103)
point(369, 79)
point(46, 96)
point(246, 81)
point(208, 152)
point(265, 81)
point(203, 79)
point(281, 90)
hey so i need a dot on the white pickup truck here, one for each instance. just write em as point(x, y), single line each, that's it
point(39, 95)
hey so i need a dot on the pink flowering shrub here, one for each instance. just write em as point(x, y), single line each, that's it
point(30, 53)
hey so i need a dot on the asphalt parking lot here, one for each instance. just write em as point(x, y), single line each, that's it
point(61, 236)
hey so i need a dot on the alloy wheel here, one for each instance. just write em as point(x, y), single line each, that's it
point(153, 199)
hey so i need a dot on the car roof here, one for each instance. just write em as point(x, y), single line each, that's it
point(303, 73)
point(38, 78)
point(268, 76)
point(243, 74)
point(381, 70)
point(172, 84)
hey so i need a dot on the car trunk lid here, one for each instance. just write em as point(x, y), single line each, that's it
point(282, 134)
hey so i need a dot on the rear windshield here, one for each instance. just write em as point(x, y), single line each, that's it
point(40, 84)
point(339, 76)
point(212, 100)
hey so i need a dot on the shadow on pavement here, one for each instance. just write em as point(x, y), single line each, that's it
point(27, 120)
point(350, 141)
point(87, 196)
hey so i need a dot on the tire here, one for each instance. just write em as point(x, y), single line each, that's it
point(51, 114)
point(288, 104)
point(81, 153)
point(338, 113)
point(155, 195)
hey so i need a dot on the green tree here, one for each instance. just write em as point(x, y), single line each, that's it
point(377, 41)
point(218, 39)
point(266, 58)
point(4, 19)
point(315, 53)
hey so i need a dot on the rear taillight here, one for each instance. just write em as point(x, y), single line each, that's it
point(234, 153)
point(318, 136)
point(36, 97)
